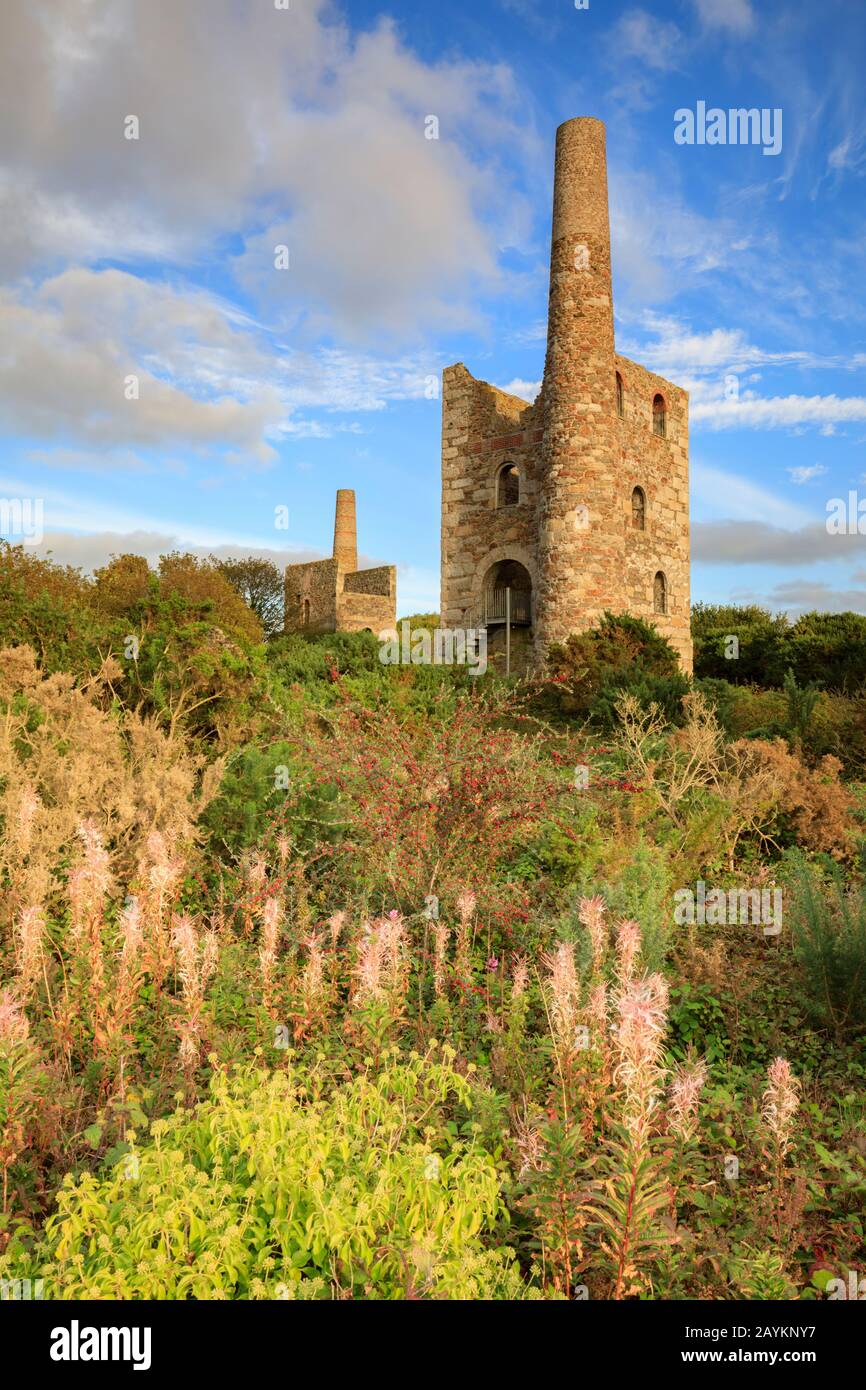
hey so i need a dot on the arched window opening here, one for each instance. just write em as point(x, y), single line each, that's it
point(508, 486)
point(659, 416)
point(660, 593)
point(620, 397)
point(638, 509)
point(306, 612)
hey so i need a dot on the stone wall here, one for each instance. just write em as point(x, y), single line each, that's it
point(660, 467)
point(579, 461)
point(382, 580)
point(314, 583)
point(483, 430)
point(325, 596)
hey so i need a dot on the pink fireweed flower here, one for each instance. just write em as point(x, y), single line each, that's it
point(591, 913)
point(29, 936)
point(466, 903)
point(271, 917)
point(368, 969)
point(163, 871)
point(196, 961)
point(90, 880)
point(519, 977)
point(14, 1027)
point(313, 980)
point(683, 1097)
point(781, 1101)
point(381, 958)
point(441, 935)
point(639, 1041)
point(563, 993)
point(596, 1008)
point(336, 924)
point(131, 931)
point(628, 942)
point(28, 804)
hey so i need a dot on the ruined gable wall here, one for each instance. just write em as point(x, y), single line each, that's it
point(483, 428)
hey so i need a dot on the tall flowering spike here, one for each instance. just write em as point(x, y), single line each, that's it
point(29, 936)
point(466, 904)
point(313, 980)
point(183, 938)
point(368, 969)
point(596, 1008)
point(591, 913)
point(131, 932)
point(564, 992)
point(336, 924)
point(519, 977)
point(628, 943)
point(441, 934)
point(163, 871)
point(257, 873)
point(210, 952)
point(90, 881)
point(639, 1040)
point(22, 831)
point(271, 919)
point(781, 1101)
point(684, 1095)
point(393, 932)
point(14, 1027)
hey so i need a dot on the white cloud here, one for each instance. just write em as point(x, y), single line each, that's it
point(526, 390)
point(777, 412)
point(652, 41)
point(736, 16)
point(715, 490)
point(804, 473)
point(268, 125)
point(660, 244)
point(210, 378)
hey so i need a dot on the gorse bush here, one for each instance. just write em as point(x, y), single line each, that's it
point(270, 1189)
point(590, 670)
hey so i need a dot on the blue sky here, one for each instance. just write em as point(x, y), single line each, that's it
point(261, 388)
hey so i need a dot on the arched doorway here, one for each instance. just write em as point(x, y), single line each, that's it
point(507, 594)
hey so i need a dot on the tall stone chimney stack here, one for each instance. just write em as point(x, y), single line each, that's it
point(577, 505)
point(345, 531)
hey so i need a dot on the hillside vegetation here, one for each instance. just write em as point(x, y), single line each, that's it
point(329, 979)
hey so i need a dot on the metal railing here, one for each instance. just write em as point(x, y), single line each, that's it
point(494, 608)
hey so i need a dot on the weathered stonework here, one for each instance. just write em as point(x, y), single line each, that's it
point(572, 543)
point(334, 595)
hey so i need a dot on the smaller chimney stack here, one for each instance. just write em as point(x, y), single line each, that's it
point(345, 531)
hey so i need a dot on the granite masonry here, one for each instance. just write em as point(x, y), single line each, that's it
point(334, 595)
point(578, 502)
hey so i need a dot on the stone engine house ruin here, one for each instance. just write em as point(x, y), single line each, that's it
point(556, 511)
point(334, 595)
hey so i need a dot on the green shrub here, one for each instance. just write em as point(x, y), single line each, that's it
point(829, 936)
point(828, 650)
point(642, 893)
point(271, 1188)
point(264, 792)
point(590, 670)
point(760, 658)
